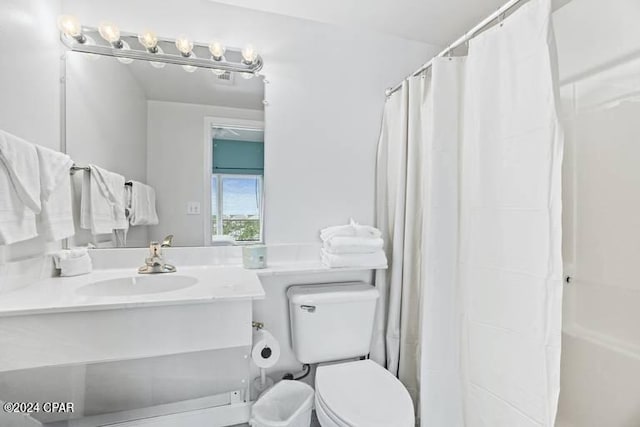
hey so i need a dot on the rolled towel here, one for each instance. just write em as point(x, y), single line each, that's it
point(73, 262)
point(373, 260)
point(76, 266)
point(353, 229)
point(353, 245)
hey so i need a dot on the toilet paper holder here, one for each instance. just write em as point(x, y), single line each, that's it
point(257, 325)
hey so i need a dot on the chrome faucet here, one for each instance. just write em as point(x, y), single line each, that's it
point(167, 242)
point(155, 263)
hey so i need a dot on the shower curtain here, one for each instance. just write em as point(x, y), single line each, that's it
point(469, 201)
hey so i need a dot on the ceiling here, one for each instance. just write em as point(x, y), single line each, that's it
point(438, 22)
point(173, 84)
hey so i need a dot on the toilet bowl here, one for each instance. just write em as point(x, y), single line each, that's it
point(361, 394)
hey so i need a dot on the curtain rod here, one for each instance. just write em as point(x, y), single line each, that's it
point(498, 14)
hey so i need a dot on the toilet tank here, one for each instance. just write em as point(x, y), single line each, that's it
point(331, 321)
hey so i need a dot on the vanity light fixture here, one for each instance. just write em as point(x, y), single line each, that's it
point(70, 26)
point(108, 40)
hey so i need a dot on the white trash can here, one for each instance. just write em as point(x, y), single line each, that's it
point(286, 404)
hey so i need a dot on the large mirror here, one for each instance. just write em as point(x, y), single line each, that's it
point(192, 138)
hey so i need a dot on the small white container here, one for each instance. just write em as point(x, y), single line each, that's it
point(286, 404)
point(254, 256)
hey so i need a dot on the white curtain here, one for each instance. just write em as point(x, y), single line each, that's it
point(468, 198)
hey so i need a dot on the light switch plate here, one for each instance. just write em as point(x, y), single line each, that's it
point(193, 208)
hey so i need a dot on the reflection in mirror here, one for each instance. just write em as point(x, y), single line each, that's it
point(236, 184)
point(192, 139)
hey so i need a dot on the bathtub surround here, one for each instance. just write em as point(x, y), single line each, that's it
point(472, 151)
point(598, 46)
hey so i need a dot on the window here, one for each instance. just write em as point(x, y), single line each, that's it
point(236, 185)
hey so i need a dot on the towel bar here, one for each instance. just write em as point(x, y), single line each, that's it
point(75, 168)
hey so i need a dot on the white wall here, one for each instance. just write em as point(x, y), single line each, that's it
point(29, 85)
point(599, 52)
point(106, 125)
point(176, 138)
point(325, 101)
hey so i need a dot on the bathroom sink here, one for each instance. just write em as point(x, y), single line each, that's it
point(137, 285)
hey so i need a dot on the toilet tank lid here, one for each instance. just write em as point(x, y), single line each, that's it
point(332, 293)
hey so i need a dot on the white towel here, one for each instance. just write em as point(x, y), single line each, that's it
point(68, 254)
point(142, 204)
point(20, 189)
point(103, 200)
point(353, 245)
point(56, 217)
point(353, 229)
point(73, 262)
point(373, 260)
point(21, 161)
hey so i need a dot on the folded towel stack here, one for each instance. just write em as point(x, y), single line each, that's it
point(73, 262)
point(353, 245)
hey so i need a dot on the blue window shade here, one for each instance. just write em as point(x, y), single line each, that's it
point(238, 157)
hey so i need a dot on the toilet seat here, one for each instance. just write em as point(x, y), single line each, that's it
point(361, 394)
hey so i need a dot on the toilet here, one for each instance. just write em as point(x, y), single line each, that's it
point(331, 325)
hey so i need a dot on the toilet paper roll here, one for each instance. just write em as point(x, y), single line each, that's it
point(266, 349)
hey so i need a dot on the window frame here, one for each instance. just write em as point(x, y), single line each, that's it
point(221, 122)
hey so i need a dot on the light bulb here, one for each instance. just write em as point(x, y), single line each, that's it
point(149, 40)
point(218, 72)
point(217, 50)
point(247, 76)
point(184, 45)
point(249, 54)
point(111, 33)
point(70, 27)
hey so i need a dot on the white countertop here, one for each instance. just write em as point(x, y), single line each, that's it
point(59, 294)
point(215, 283)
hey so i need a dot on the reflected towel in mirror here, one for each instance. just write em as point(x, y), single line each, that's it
point(141, 204)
